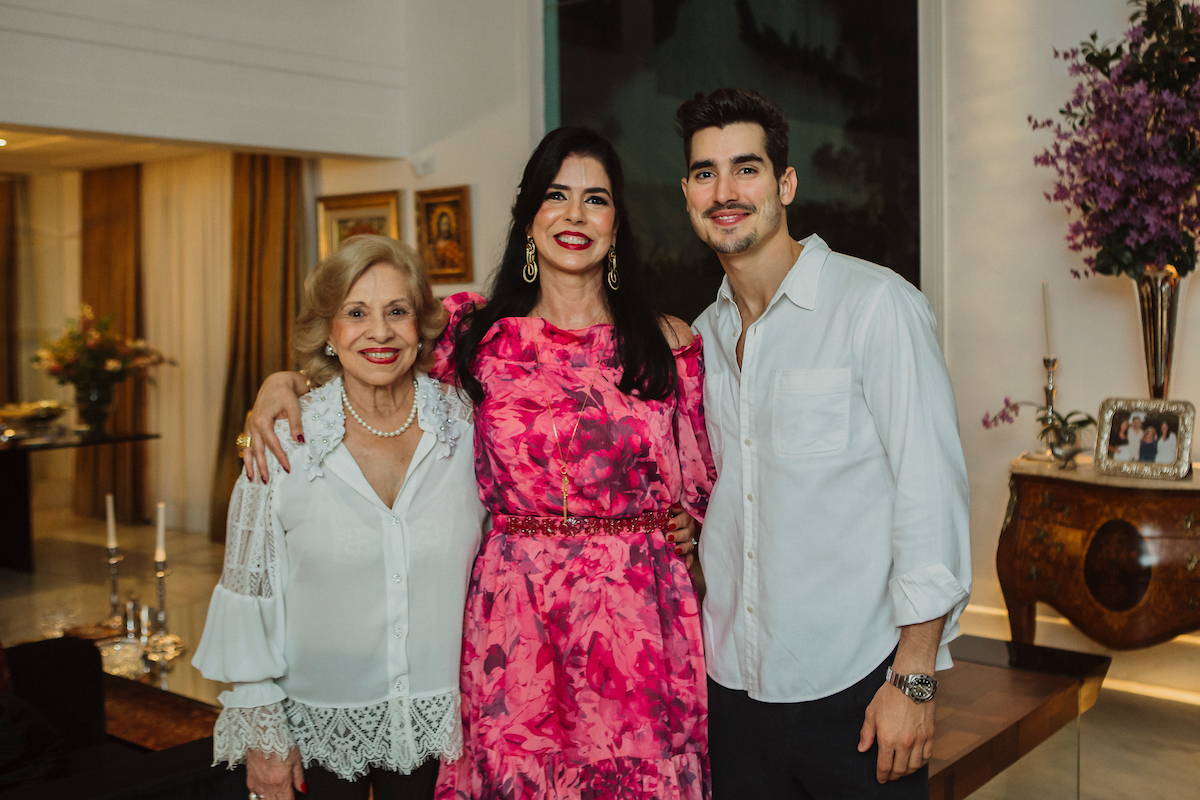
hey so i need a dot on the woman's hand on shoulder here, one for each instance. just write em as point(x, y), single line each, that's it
point(679, 333)
point(273, 778)
point(278, 398)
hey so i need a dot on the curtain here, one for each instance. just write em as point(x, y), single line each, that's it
point(49, 210)
point(111, 283)
point(186, 253)
point(269, 242)
point(9, 332)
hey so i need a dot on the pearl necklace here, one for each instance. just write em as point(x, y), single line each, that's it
point(385, 434)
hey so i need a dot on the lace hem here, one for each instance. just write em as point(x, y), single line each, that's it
point(399, 734)
point(263, 728)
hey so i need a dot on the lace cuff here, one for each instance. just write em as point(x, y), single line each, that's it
point(399, 734)
point(262, 728)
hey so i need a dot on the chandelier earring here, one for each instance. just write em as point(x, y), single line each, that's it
point(530, 272)
point(329, 351)
point(614, 280)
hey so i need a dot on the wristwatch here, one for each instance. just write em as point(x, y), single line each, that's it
point(919, 688)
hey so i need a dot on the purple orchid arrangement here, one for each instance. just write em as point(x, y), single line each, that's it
point(1055, 426)
point(1127, 155)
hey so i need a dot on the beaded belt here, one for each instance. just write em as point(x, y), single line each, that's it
point(579, 526)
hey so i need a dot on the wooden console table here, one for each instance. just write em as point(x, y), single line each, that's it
point(16, 487)
point(1118, 557)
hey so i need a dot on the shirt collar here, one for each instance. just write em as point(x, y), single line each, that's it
point(799, 285)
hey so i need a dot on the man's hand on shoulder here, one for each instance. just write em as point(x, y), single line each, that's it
point(679, 333)
point(903, 730)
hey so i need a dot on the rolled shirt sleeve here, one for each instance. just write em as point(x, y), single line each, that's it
point(907, 388)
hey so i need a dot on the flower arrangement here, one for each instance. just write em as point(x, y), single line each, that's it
point(91, 352)
point(1127, 155)
point(1060, 432)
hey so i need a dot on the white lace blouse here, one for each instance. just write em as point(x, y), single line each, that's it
point(337, 619)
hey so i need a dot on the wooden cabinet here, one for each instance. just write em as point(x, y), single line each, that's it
point(1118, 557)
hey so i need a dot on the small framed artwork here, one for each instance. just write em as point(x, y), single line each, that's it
point(341, 216)
point(444, 234)
point(1145, 438)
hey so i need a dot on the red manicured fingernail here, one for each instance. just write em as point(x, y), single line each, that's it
point(300, 439)
point(264, 478)
point(671, 527)
point(287, 470)
point(678, 551)
point(303, 788)
point(670, 538)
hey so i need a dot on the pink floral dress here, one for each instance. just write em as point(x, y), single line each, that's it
point(582, 665)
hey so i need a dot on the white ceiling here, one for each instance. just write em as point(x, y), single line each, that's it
point(43, 151)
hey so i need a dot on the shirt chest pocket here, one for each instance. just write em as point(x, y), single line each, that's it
point(714, 383)
point(810, 412)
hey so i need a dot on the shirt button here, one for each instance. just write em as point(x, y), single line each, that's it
point(399, 632)
point(400, 685)
point(749, 609)
point(750, 554)
point(747, 443)
point(397, 578)
point(395, 521)
point(750, 497)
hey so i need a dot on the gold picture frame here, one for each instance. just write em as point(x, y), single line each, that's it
point(1132, 431)
point(444, 234)
point(341, 216)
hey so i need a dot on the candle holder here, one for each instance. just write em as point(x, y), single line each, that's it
point(1051, 364)
point(161, 645)
point(116, 610)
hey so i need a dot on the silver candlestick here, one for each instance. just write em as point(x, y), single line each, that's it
point(162, 646)
point(116, 611)
point(1051, 364)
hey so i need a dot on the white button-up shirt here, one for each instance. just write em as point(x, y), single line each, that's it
point(841, 506)
point(346, 609)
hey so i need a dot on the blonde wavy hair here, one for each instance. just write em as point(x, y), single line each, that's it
point(329, 284)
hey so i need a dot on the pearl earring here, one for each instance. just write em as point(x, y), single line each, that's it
point(329, 351)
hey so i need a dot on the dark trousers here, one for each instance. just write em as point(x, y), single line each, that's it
point(799, 751)
point(388, 785)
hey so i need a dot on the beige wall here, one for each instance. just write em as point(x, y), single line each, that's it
point(1001, 238)
point(362, 77)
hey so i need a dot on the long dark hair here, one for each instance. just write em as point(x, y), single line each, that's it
point(648, 367)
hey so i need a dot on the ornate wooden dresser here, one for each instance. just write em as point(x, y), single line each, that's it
point(1118, 557)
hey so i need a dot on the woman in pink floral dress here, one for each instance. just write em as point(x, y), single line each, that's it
point(582, 664)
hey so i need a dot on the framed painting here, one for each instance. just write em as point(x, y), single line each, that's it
point(341, 216)
point(444, 234)
point(1145, 438)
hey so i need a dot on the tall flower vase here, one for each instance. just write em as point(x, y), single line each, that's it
point(94, 402)
point(1158, 301)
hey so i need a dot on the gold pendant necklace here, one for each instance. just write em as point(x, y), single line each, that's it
point(558, 444)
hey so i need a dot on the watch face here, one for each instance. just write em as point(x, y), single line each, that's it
point(921, 687)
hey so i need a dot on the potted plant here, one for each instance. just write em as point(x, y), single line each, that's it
point(1060, 432)
point(93, 358)
point(1127, 159)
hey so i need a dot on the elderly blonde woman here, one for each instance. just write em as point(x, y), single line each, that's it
point(338, 617)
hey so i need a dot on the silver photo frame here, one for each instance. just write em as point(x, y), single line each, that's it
point(1132, 433)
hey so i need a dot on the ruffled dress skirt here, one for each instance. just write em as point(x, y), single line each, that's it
point(582, 668)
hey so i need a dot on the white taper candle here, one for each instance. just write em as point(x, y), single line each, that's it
point(160, 540)
point(1046, 316)
point(110, 516)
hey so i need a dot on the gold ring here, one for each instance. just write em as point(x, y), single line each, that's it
point(243, 442)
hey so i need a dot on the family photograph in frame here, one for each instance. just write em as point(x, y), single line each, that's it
point(1145, 438)
point(341, 216)
point(444, 233)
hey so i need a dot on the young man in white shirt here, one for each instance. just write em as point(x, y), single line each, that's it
point(836, 545)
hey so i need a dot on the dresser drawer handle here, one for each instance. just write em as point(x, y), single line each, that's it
point(1188, 521)
point(1192, 562)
